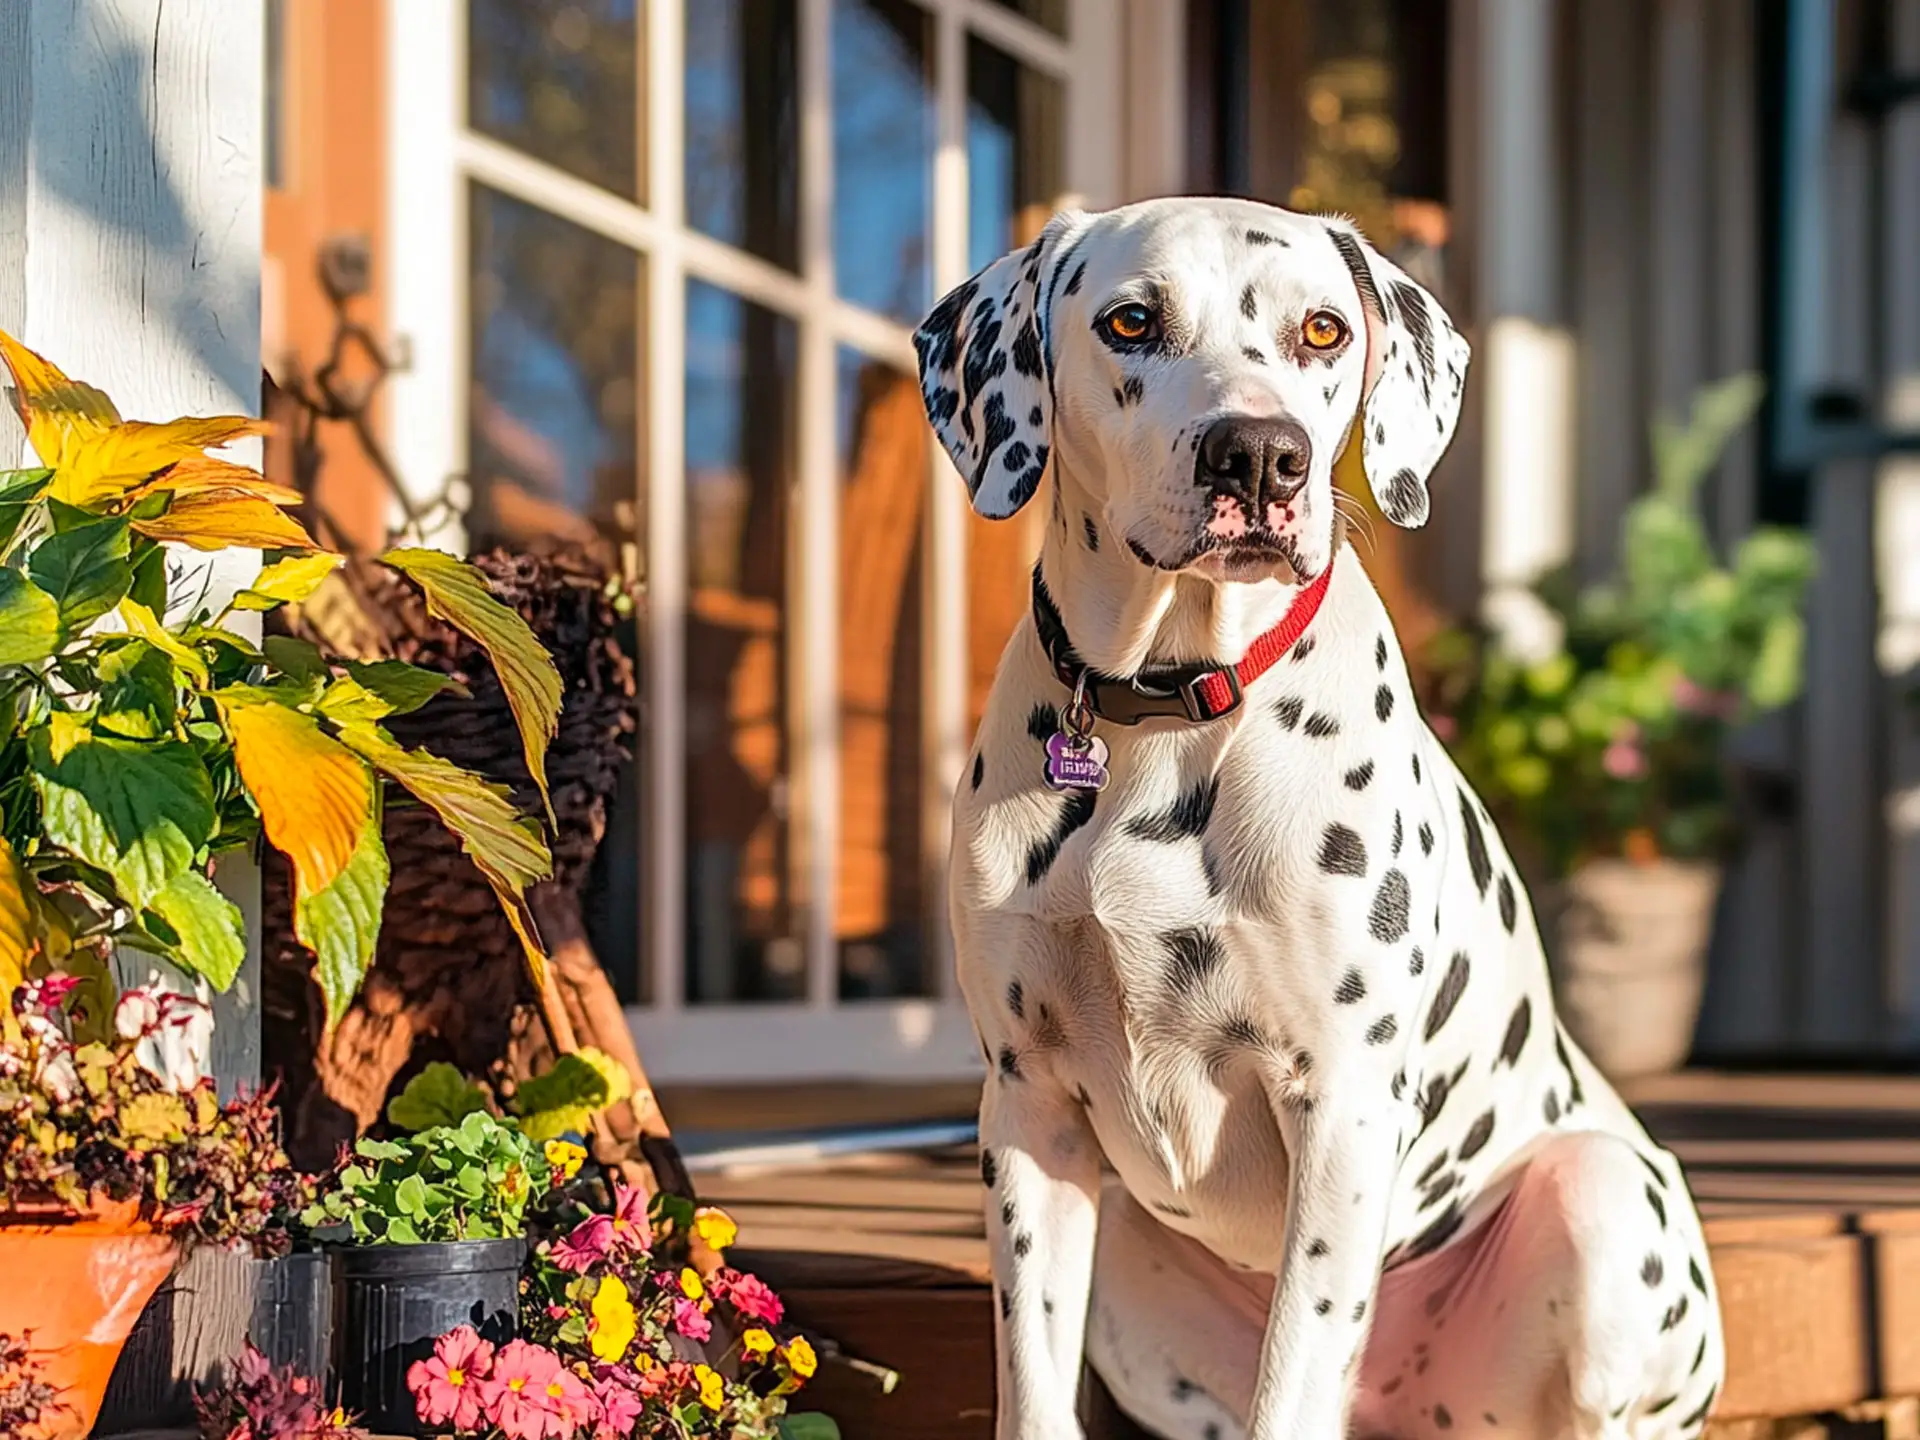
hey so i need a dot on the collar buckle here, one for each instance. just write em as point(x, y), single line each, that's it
point(1194, 694)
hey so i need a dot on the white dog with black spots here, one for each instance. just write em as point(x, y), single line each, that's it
point(1228, 918)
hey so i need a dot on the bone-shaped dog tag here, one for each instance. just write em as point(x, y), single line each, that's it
point(1075, 763)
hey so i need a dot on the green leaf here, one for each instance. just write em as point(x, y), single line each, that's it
point(149, 586)
point(410, 1196)
point(287, 582)
point(404, 687)
point(346, 702)
point(19, 489)
point(458, 594)
point(438, 1095)
point(85, 570)
point(379, 1150)
point(206, 926)
point(29, 620)
point(808, 1425)
point(400, 1231)
point(506, 849)
point(340, 923)
point(138, 811)
point(299, 659)
point(138, 698)
point(144, 622)
point(574, 1080)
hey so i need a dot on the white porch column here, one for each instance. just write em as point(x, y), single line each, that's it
point(1526, 359)
point(130, 183)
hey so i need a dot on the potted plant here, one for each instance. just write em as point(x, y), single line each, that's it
point(261, 1400)
point(111, 1160)
point(623, 1337)
point(1603, 752)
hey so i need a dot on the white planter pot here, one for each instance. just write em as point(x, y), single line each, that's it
point(1629, 960)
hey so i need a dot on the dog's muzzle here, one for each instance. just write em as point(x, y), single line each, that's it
point(1258, 462)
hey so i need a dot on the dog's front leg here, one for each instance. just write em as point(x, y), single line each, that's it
point(1041, 1167)
point(1342, 1148)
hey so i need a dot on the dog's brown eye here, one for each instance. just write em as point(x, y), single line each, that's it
point(1130, 324)
point(1323, 330)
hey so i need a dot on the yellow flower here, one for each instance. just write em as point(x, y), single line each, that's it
point(613, 1320)
point(712, 1393)
point(565, 1157)
point(690, 1285)
point(716, 1227)
point(643, 1362)
point(757, 1342)
point(800, 1357)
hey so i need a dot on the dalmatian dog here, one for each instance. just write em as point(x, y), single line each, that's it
point(1281, 1131)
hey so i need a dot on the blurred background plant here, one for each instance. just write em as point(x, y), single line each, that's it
point(1611, 743)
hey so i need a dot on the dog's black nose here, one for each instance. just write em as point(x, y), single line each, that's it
point(1259, 462)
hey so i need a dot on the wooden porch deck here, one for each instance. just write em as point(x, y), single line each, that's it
point(1810, 1186)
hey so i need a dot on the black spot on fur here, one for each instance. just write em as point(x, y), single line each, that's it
point(1659, 1405)
point(1477, 860)
point(1250, 303)
point(1452, 986)
point(1006, 1305)
point(1417, 961)
point(1322, 1307)
point(989, 1172)
point(1287, 711)
point(1575, 1095)
point(1379, 652)
point(1676, 1312)
point(1006, 1214)
point(1036, 418)
point(1355, 259)
point(1302, 648)
point(1076, 812)
point(1026, 350)
point(1443, 1229)
point(1392, 906)
point(1358, 777)
point(1134, 389)
point(979, 770)
point(1442, 1417)
point(1343, 852)
point(1321, 726)
point(1698, 1356)
point(1434, 1167)
point(1653, 1170)
point(1413, 314)
point(1351, 990)
point(1383, 703)
point(1119, 397)
point(1092, 532)
point(1193, 954)
point(1261, 237)
point(1404, 503)
point(1009, 1063)
point(1253, 354)
point(1416, 769)
point(1509, 908)
point(1659, 1207)
point(1179, 1212)
point(1434, 1099)
point(1043, 722)
point(1382, 1030)
point(1316, 1249)
point(1073, 281)
point(1694, 1274)
point(1210, 867)
point(1426, 836)
point(1515, 1040)
point(1399, 828)
point(1186, 818)
point(1399, 1085)
point(1550, 1108)
point(1359, 1311)
point(1240, 1031)
point(1000, 429)
point(1477, 1136)
point(1022, 1245)
point(1652, 1270)
point(1017, 457)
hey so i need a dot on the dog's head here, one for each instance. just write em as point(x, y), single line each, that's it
point(1201, 364)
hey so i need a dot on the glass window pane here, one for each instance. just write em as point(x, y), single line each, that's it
point(882, 917)
point(1050, 13)
point(743, 125)
point(560, 79)
point(743, 924)
point(552, 445)
point(1015, 145)
point(883, 143)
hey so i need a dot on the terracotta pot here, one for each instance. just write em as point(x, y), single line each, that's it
point(1629, 960)
point(76, 1285)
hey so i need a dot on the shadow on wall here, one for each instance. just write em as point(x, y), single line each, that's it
point(100, 85)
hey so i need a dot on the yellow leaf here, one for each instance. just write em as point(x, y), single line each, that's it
point(287, 582)
point(205, 472)
point(505, 848)
point(217, 519)
point(459, 594)
point(19, 930)
point(341, 924)
point(142, 622)
point(314, 794)
point(95, 455)
point(158, 1117)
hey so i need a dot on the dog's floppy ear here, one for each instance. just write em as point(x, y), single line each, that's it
point(1416, 369)
point(986, 371)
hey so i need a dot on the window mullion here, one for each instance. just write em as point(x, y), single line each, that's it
point(814, 644)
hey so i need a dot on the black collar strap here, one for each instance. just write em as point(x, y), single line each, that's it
point(1198, 693)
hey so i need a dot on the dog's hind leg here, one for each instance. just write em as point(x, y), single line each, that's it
point(1172, 1330)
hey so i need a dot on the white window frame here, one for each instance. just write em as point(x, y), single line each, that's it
point(432, 159)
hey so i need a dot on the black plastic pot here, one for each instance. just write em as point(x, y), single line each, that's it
point(392, 1301)
point(293, 1313)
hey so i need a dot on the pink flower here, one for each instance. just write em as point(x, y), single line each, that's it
point(620, 1406)
point(1695, 699)
point(570, 1406)
point(690, 1320)
point(447, 1387)
point(515, 1394)
point(588, 1243)
point(749, 1295)
point(1624, 759)
point(631, 1228)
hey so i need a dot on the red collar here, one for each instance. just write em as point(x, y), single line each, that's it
point(1191, 692)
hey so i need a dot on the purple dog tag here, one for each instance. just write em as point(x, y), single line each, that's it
point(1076, 764)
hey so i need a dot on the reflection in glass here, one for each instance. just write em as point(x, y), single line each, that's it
point(1050, 13)
point(743, 925)
point(883, 143)
point(882, 916)
point(559, 79)
point(553, 431)
point(1015, 170)
point(743, 125)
